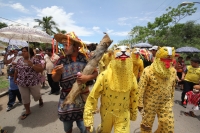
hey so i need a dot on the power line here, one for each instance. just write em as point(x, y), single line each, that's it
point(12, 21)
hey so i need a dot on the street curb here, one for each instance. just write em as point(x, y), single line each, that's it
point(3, 93)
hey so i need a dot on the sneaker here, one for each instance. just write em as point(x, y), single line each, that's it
point(57, 93)
point(9, 108)
point(19, 103)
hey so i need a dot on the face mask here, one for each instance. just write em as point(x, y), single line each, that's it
point(137, 55)
point(166, 62)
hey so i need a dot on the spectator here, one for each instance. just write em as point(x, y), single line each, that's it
point(179, 70)
point(8, 57)
point(50, 59)
point(190, 77)
point(153, 50)
point(13, 88)
point(39, 55)
point(187, 60)
point(27, 78)
point(192, 98)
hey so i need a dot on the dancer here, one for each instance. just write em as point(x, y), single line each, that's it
point(117, 87)
point(156, 92)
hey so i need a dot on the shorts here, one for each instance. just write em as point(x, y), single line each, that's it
point(31, 90)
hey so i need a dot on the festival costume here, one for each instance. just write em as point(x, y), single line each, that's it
point(117, 87)
point(74, 111)
point(156, 93)
point(105, 60)
point(138, 65)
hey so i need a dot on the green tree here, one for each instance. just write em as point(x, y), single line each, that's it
point(2, 25)
point(61, 31)
point(165, 28)
point(47, 24)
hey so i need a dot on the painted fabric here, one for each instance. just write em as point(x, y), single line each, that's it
point(117, 88)
point(156, 95)
point(73, 111)
point(27, 76)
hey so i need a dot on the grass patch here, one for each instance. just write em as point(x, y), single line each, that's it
point(3, 83)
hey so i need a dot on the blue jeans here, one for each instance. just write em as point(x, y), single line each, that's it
point(69, 124)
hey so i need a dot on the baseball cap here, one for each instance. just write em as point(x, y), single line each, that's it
point(154, 48)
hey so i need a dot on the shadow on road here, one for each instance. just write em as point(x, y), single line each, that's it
point(11, 129)
point(40, 117)
point(1, 108)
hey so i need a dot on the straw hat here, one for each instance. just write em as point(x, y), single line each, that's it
point(71, 36)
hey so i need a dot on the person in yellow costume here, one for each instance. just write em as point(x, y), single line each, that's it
point(138, 65)
point(105, 60)
point(156, 92)
point(117, 87)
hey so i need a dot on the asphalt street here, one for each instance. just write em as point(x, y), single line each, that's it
point(45, 120)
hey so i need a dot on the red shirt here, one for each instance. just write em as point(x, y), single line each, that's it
point(193, 98)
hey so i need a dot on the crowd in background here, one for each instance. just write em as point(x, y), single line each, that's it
point(23, 65)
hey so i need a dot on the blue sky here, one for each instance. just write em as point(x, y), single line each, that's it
point(90, 18)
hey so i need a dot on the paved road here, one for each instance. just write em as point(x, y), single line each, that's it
point(45, 120)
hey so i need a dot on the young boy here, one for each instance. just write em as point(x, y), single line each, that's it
point(13, 90)
point(192, 98)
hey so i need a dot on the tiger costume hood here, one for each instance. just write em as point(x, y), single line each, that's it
point(162, 64)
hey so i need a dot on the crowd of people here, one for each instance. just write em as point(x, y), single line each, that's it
point(154, 70)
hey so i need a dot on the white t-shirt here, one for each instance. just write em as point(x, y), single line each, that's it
point(10, 56)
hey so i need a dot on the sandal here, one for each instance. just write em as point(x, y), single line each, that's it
point(24, 116)
point(192, 114)
point(3, 131)
point(186, 113)
point(41, 103)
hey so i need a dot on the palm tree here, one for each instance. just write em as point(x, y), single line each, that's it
point(61, 31)
point(2, 25)
point(47, 24)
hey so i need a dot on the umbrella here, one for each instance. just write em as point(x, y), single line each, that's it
point(143, 45)
point(187, 50)
point(25, 34)
point(18, 43)
point(12, 47)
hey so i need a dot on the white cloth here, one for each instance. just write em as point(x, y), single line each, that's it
point(10, 56)
point(50, 62)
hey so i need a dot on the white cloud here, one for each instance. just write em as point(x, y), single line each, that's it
point(122, 21)
point(19, 7)
point(63, 19)
point(97, 29)
point(16, 6)
point(111, 32)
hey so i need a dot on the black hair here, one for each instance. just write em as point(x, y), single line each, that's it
point(195, 59)
point(188, 57)
point(49, 50)
point(30, 50)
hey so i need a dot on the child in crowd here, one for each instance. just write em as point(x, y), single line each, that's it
point(192, 98)
point(13, 90)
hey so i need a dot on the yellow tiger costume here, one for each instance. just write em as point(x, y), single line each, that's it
point(138, 65)
point(105, 60)
point(117, 87)
point(156, 92)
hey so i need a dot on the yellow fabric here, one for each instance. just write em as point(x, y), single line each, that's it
point(138, 65)
point(117, 87)
point(192, 75)
point(105, 60)
point(156, 96)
